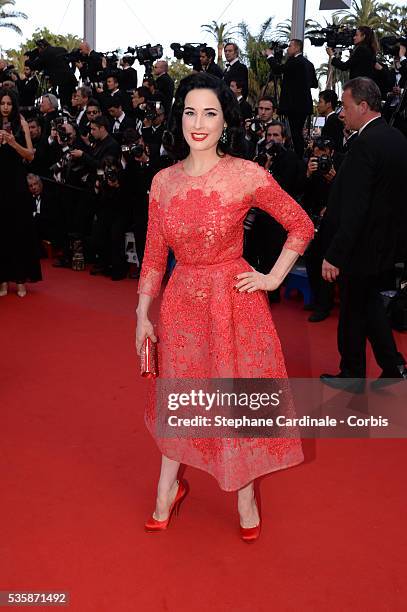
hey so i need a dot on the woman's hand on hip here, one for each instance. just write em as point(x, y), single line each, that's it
point(254, 281)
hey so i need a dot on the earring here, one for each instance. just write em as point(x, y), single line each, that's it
point(224, 136)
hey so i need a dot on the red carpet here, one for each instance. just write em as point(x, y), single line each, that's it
point(79, 472)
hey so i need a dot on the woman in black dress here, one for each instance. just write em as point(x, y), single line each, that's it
point(19, 256)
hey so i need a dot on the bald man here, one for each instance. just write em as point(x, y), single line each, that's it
point(164, 84)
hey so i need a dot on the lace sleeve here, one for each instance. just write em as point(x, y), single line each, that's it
point(268, 195)
point(156, 251)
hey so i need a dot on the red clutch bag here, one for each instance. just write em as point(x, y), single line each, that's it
point(148, 359)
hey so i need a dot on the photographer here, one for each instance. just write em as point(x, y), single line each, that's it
point(392, 110)
point(110, 222)
point(282, 163)
point(112, 92)
point(246, 110)
point(83, 94)
point(362, 60)
point(42, 151)
point(333, 126)
point(67, 168)
point(264, 236)
point(139, 169)
point(27, 89)
point(49, 111)
point(153, 128)
point(53, 61)
point(104, 145)
point(207, 57)
point(164, 84)
point(5, 70)
point(127, 74)
point(89, 63)
point(119, 120)
point(235, 70)
point(139, 98)
point(322, 168)
point(295, 97)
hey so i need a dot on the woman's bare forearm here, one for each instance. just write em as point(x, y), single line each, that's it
point(143, 305)
point(284, 263)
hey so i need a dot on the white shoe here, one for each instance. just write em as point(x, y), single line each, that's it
point(3, 289)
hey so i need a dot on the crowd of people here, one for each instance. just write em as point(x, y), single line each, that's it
point(90, 150)
point(246, 187)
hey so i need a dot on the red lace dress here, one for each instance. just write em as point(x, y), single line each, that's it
point(206, 329)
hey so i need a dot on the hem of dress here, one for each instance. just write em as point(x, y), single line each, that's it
point(236, 488)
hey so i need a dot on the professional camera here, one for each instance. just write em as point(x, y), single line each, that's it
point(256, 125)
point(58, 124)
point(324, 164)
point(133, 151)
point(278, 48)
point(390, 45)
point(58, 168)
point(335, 36)
point(146, 55)
point(109, 173)
point(75, 56)
point(268, 150)
point(9, 71)
point(189, 53)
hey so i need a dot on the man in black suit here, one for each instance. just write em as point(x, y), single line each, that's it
point(164, 84)
point(235, 70)
point(43, 209)
point(91, 63)
point(119, 120)
point(104, 145)
point(53, 61)
point(83, 94)
point(333, 128)
point(295, 97)
point(246, 110)
point(207, 57)
point(365, 216)
point(27, 87)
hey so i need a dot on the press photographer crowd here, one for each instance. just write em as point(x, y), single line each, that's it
point(81, 139)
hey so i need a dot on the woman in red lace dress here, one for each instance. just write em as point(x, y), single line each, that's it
point(215, 319)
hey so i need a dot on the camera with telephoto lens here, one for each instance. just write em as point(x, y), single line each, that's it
point(390, 45)
point(59, 124)
point(267, 150)
point(133, 151)
point(189, 53)
point(335, 37)
point(146, 55)
point(278, 48)
point(62, 163)
point(109, 173)
point(256, 125)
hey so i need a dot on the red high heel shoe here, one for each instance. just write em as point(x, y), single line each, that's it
point(153, 525)
point(250, 534)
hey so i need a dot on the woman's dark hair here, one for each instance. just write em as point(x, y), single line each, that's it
point(234, 145)
point(370, 39)
point(14, 116)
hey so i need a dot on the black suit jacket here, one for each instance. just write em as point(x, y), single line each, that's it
point(27, 90)
point(366, 213)
point(238, 72)
point(128, 79)
point(298, 78)
point(215, 70)
point(165, 86)
point(246, 110)
point(360, 63)
point(109, 147)
point(333, 130)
